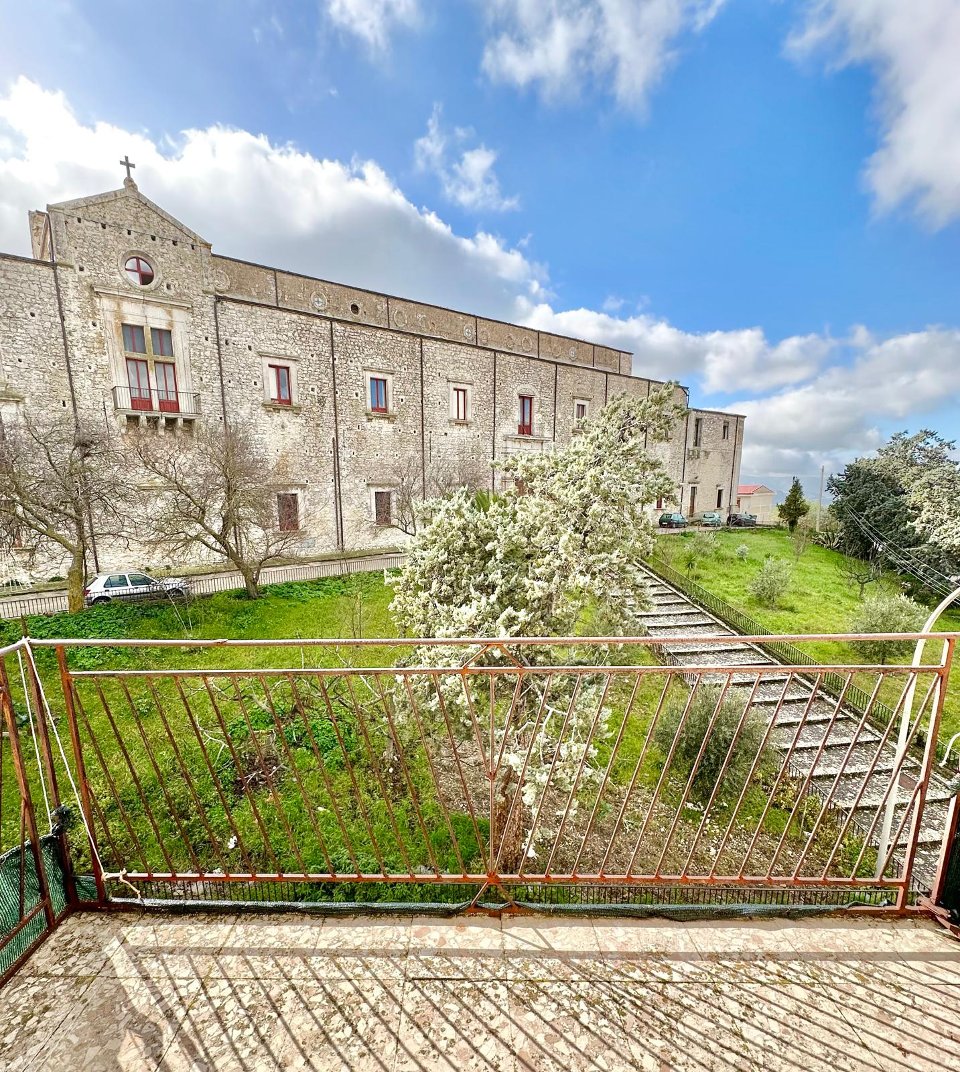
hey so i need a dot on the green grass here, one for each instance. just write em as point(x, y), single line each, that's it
point(819, 599)
point(292, 772)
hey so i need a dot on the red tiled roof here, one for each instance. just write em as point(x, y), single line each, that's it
point(749, 489)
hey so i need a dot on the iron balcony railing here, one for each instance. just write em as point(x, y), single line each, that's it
point(151, 401)
point(503, 770)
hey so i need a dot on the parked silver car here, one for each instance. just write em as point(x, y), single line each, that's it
point(133, 586)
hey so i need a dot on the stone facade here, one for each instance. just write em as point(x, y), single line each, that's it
point(304, 362)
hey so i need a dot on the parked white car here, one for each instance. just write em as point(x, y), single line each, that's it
point(106, 587)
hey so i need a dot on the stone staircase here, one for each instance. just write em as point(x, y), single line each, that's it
point(836, 753)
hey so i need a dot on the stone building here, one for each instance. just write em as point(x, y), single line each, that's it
point(125, 315)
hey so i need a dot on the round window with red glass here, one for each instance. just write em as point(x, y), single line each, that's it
point(139, 271)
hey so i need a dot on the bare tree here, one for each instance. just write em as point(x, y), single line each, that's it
point(218, 491)
point(443, 477)
point(860, 572)
point(59, 483)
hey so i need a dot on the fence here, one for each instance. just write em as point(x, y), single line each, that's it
point(35, 889)
point(460, 772)
point(782, 650)
point(221, 582)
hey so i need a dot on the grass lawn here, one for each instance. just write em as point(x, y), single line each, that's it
point(819, 599)
point(277, 772)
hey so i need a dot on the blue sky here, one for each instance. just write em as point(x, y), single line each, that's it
point(760, 198)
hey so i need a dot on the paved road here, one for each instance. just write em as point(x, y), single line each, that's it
point(55, 601)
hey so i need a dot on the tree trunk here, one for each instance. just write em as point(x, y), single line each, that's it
point(509, 829)
point(76, 578)
point(250, 582)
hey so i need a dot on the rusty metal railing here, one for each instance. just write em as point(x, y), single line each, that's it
point(483, 771)
point(35, 891)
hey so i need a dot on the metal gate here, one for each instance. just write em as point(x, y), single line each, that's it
point(35, 886)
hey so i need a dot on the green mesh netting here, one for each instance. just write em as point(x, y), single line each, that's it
point(19, 885)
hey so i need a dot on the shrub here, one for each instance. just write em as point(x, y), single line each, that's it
point(748, 744)
point(771, 581)
point(886, 612)
point(701, 545)
point(742, 552)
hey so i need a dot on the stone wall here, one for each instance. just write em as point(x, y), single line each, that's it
point(233, 322)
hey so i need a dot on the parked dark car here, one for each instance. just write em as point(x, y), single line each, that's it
point(672, 521)
point(742, 521)
point(712, 519)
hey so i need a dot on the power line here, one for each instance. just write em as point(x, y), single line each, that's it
point(916, 568)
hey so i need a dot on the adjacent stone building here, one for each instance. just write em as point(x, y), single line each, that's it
point(125, 315)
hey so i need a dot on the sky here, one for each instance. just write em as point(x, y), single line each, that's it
point(758, 198)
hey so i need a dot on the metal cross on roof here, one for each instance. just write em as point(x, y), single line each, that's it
point(125, 162)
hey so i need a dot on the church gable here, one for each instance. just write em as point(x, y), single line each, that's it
point(127, 206)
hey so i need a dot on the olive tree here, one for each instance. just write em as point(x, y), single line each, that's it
point(566, 541)
point(887, 612)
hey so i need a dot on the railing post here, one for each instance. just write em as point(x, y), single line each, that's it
point(66, 682)
point(40, 704)
point(929, 755)
point(26, 799)
point(948, 864)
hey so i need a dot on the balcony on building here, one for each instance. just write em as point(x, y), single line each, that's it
point(134, 401)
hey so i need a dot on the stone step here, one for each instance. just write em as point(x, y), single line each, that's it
point(771, 691)
point(745, 680)
point(840, 738)
point(801, 710)
point(934, 813)
point(809, 737)
point(702, 648)
point(711, 630)
point(681, 613)
point(691, 617)
point(747, 657)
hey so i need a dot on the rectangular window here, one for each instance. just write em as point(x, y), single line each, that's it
point(693, 500)
point(697, 431)
point(378, 398)
point(659, 502)
point(288, 512)
point(726, 429)
point(134, 341)
point(382, 507)
point(525, 424)
point(460, 403)
point(162, 341)
point(165, 373)
point(719, 498)
point(138, 381)
point(579, 413)
point(280, 385)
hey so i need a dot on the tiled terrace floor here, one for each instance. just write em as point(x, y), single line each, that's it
point(149, 992)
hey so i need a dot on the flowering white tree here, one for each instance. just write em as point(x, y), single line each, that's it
point(560, 550)
point(936, 498)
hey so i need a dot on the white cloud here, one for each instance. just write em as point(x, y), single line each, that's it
point(558, 46)
point(914, 49)
point(350, 222)
point(373, 21)
point(466, 175)
point(840, 413)
point(722, 361)
point(256, 200)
